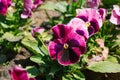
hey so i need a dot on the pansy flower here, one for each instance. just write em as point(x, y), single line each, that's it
point(103, 13)
point(4, 4)
point(93, 3)
point(68, 45)
point(92, 18)
point(29, 5)
point(79, 26)
point(115, 16)
point(18, 73)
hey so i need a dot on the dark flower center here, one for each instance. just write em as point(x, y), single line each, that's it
point(66, 46)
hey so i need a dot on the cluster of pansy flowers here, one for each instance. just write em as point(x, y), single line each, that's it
point(70, 39)
point(29, 6)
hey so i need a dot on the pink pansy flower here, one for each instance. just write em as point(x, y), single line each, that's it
point(18, 73)
point(92, 18)
point(29, 5)
point(79, 27)
point(115, 16)
point(37, 30)
point(103, 13)
point(93, 3)
point(4, 4)
point(68, 45)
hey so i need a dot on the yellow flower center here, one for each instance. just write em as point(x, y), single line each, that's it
point(66, 46)
point(88, 24)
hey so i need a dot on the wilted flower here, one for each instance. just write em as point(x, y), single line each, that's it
point(4, 4)
point(18, 73)
point(68, 45)
point(79, 27)
point(103, 13)
point(92, 18)
point(29, 5)
point(36, 30)
point(93, 3)
point(115, 16)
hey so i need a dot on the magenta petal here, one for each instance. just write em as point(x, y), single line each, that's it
point(18, 74)
point(115, 16)
point(103, 13)
point(26, 14)
point(3, 7)
point(54, 47)
point(61, 30)
point(37, 3)
point(28, 5)
point(79, 27)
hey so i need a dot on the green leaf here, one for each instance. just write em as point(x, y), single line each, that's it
point(104, 67)
point(32, 45)
point(12, 38)
point(4, 25)
point(32, 70)
point(61, 6)
point(37, 59)
point(78, 75)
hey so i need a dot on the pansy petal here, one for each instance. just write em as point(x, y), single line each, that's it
point(61, 30)
point(103, 13)
point(37, 3)
point(91, 31)
point(54, 47)
point(18, 74)
point(3, 7)
point(75, 40)
point(93, 3)
point(67, 57)
point(79, 27)
point(115, 16)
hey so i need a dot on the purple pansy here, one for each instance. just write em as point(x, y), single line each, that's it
point(4, 4)
point(36, 30)
point(68, 45)
point(115, 16)
point(18, 73)
point(79, 26)
point(92, 18)
point(103, 13)
point(29, 5)
point(93, 3)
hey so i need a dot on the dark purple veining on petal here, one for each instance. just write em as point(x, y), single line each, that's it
point(95, 25)
point(83, 18)
point(80, 32)
point(91, 30)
